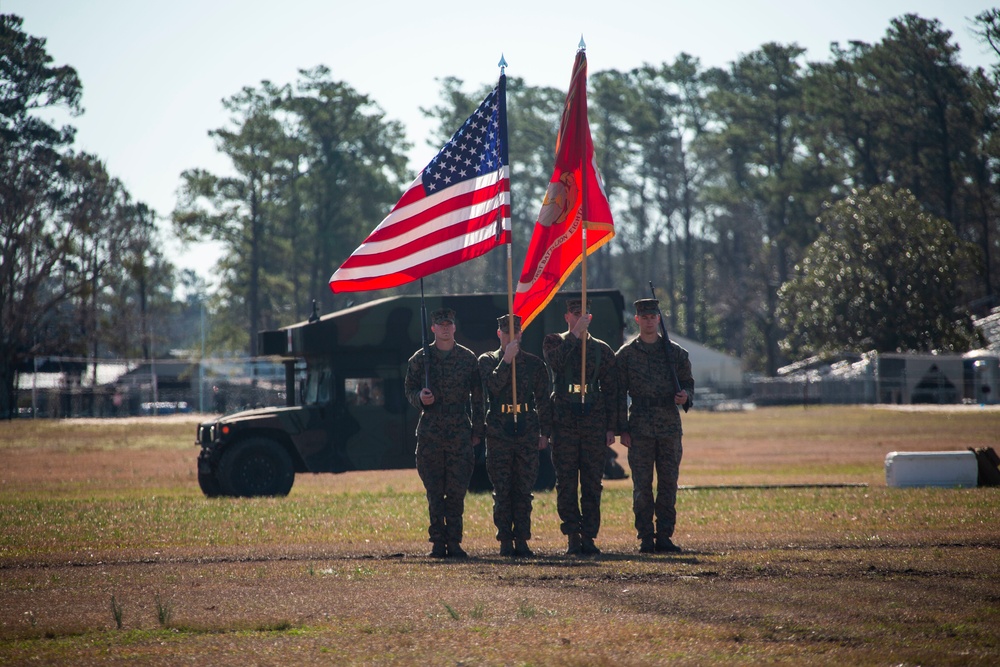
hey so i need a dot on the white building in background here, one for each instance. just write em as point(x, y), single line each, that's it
point(709, 367)
point(891, 377)
point(718, 377)
point(919, 378)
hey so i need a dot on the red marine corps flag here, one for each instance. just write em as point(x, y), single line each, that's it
point(457, 209)
point(575, 204)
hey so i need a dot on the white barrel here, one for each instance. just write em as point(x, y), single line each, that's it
point(931, 469)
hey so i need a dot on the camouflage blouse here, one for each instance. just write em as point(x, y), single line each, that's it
point(455, 381)
point(563, 354)
point(532, 389)
point(645, 375)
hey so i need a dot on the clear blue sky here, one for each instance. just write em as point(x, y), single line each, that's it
point(154, 73)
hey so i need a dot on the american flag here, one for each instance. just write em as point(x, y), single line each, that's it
point(457, 209)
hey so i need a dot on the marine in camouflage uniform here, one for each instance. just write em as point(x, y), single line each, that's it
point(448, 429)
point(652, 431)
point(512, 446)
point(581, 431)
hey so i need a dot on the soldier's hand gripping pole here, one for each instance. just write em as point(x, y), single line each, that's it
point(666, 348)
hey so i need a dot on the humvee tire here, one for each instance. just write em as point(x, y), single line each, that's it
point(546, 480)
point(209, 484)
point(256, 467)
point(480, 481)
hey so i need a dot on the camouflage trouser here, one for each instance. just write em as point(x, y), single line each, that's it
point(445, 467)
point(578, 455)
point(663, 455)
point(512, 466)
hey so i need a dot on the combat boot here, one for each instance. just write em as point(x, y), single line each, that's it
point(455, 550)
point(438, 550)
point(588, 547)
point(574, 545)
point(664, 545)
point(522, 550)
point(507, 548)
point(647, 545)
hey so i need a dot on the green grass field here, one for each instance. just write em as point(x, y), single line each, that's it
point(109, 554)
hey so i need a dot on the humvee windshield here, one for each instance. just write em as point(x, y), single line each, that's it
point(319, 385)
point(320, 388)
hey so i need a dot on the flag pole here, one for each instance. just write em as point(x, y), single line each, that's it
point(583, 269)
point(510, 268)
point(583, 312)
point(423, 334)
point(510, 329)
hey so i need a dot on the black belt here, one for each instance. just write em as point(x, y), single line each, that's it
point(652, 401)
point(447, 409)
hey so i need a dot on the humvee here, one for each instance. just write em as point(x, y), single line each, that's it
point(349, 411)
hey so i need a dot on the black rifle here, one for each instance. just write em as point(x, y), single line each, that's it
point(668, 352)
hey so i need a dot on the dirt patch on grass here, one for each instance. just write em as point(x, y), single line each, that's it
point(707, 607)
